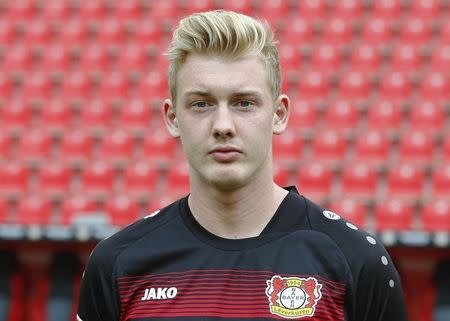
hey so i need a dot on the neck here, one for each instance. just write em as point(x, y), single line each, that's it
point(240, 213)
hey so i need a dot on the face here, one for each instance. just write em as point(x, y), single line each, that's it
point(225, 116)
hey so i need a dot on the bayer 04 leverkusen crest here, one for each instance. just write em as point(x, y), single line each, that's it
point(293, 297)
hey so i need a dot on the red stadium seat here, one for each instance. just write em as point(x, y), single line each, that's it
point(417, 146)
point(298, 30)
point(281, 174)
point(35, 145)
point(7, 32)
point(56, 59)
point(17, 58)
point(140, 179)
point(198, 6)
point(314, 86)
point(16, 115)
point(315, 10)
point(5, 146)
point(76, 146)
point(118, 146)
point(428, 116)
point(160, 201)
point(354, 86)
point(92, 10)
point(153, 85)
point(314, 180)
point(242, 6)
point(96, 114)
point(377, 31)
point(127, 10)
point(406, 58)
point(394, 214)
point(158, 147)
point(441, 181)
point(385, 115)
point(21, 9)
point(352, 209)
point(326, 58)
point(76, 84)
point(133, 57)
point(372, 147)
point(73, 32)
point(337, 31)
point(365, 58)
point(135, 114)
point(444, 35)
point(436, 216)
point(396, 86)
point(122, 210)
point(350, 10)
point(405, 180)
point(55, 179)
point(34, 210)
point(435, 86)
point(425, 9)
point(114, 85)
point(290, 57)
point(329, 146)
point(38, 31)
point(274, 11)
point(446, 149)
point(342, 115)
point(6, 84)
point(287, 148)
point(57, 10)
point(74, 206)
point(37, 85)
point(165, 10)
point(388, 9)
point(147, 32)
point(110, 31)
point(178, 179)
point(304, 115)
point(98, 178)
point(15, 178)
point(359, 181)
point(94, 57)
point(415, 31)
point(440, 58)
point(4, 210)
point(56, 114)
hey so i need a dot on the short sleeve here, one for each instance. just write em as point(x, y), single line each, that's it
point(98, 299)
point(379, 294)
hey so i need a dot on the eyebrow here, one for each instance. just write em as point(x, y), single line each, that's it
point(204, 93)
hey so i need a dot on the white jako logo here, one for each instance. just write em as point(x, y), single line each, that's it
point(159, 294)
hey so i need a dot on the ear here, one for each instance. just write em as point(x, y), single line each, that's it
point(170, 118)
point(281, 114)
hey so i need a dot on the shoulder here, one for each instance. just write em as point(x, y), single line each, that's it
point(106, 251)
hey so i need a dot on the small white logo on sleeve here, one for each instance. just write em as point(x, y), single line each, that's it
point(330, 215)
point(159, 294)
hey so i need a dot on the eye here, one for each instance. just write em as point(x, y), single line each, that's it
point(200, 104)
point(245, 104)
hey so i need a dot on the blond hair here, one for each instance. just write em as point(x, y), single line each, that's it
point(225, 33)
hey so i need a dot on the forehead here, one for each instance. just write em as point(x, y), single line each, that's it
point(222, 75)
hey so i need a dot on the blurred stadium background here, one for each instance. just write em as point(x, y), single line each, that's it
point(83, 150)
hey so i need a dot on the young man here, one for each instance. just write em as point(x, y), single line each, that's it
point(238, 247)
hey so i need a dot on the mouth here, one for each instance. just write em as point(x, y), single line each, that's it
point(225, 154)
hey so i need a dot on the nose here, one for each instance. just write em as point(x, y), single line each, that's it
point(223, 124)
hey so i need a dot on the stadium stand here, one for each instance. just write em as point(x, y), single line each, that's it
point(83, 149)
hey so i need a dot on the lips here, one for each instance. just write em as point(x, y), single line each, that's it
point(225, 154)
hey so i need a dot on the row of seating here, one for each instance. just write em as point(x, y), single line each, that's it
point(393, 214)
point(25, 9)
